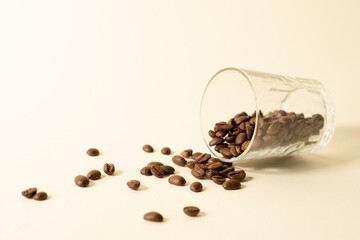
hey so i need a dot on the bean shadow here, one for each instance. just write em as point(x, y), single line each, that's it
point(343, 149)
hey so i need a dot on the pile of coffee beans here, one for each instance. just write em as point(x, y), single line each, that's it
point(34, 194)
point(275, 129)
point(157, 169)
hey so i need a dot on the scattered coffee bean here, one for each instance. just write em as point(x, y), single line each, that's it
point(150, 164)
point(218, 179)
point(231, 185)
point(191, 211)
point(177, 180)
point(226, 152)
point(238, 175)
point(29, 193)
point(166, 151)
point(94, 174)
point(148, 148)
point(195, 155)
point(146, 171)
point(40, 196)
point(168, 169)
point(191, 164)
point(198, 172)
point(93, 152)
point(210, 173)
point(109, 169)
point(187, 153)
point(215, 165)
point(179, 160)
point(196, 187)
point(81, 181)
point(225, 172)
point(201, 165)
point(133, 184)
point(157, 171)
point(153, 217)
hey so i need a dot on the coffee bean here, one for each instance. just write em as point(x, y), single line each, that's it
point(215, 165)
point(241, 127)
point(212, 134)
point(198, 172)
point(231, 185)
point(202, 158)
point(245, 145)
point(109, 169)
point(195, 155)
point(225, 172)
point(274, 128)
point(191, 164)
point(224, 127)
point(179, 160)
point(238, 175)
point(235, 131)
point(148, 148)
point(220, 134)
point(235, 151)
point(146, 171)
point(220, 146)
point(29, 193)
point(168, 169)
point(213, 160)
point(218, 179)
point(153, 217)
point(226, 152)
point(81, 181)
point(166, 151)
point(191, 211)
point(94, 174)
point(252, 121)
point(216, 141)
point(93, 152)
point(201, 165)
point(241, 119)
point(157, 171)
point(210, 173)
point(285, 120)
point(40, 196)
point(150, 164)
point(231, 122)
point(230, 139)
point(133, 184)
point(177, 180)
point(240, 114)
point(196, 187)
point(249, 131)
point(187, 153)
point(240, 138)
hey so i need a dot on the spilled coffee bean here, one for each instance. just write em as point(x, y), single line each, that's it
point(187, 153)
point(157, 171)
point(191, 211)
point(168, 169)
point(196, 187)
point(94, 174)
point(238, 175)
point(177, 180)
point(40, 196)
point(231, 185)
point(81, 181)
point(93, 152)
point(148, 148)
point(109, 169)
point(29, 193)
point(146, 171)
point(153, 217)
point(133, 184)
point(166, 151)
point(179, 160)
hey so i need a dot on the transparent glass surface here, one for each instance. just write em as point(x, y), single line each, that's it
point(302, 108)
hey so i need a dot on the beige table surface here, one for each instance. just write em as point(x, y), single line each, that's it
point(119, 74)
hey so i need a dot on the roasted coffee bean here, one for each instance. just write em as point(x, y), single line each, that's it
point(179, 160)
point(245, 145)
point(236, 131)
point(133, 184)
point(220, 134)
point(284, 120)
point(166, 151)
point(231, 185)
point(210, 173)
point(201, 165)
point(226, 152)
point(81, 181)
point(237, 175)
point(213, 160)
point(29, 193)
point(242, 127)
point(187, 153)
point(177, 180)
point(235, 151)
point(274, 128)
point(157, 171)
point(212, 134)
point(225, 172)
point(94, 174)
point(224, 127)
point(240, 138)
point(195, 155)
point(109, 169)
point(168, 169)
point(146, 171)
point(249, 130)
point(191, 164)
point(215, 165)
point(231, 122)
point(220, 146)
point(153, 217)
point(230, 139)
point(202, 157)
point(191, 211)
point(240, 114)
point(252, 121)
point(196, 187)
point(93, 152)
point(150, 164)
point(40, 196)
point(241, 119)
point(198, 172)
point(216, 141)
point(148, 148)
point(218, 179)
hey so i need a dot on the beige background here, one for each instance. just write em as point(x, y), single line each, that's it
point(118, 74)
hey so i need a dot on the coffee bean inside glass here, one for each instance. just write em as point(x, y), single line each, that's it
point(248, 114)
